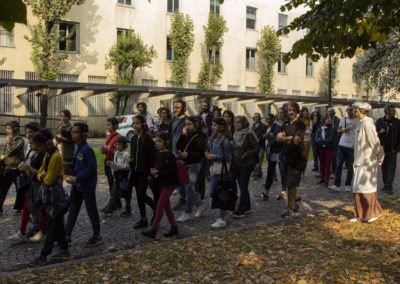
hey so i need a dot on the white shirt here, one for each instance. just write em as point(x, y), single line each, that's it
point(348, 138)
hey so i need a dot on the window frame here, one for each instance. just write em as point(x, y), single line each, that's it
point(309, 64)
point(215, 7)
point(171, 50)
point(249, 17)
point(124, 4)
point(76, 36)
point(280, 64)
point(280, 27)
point(251, 59)
point(175, 8)
point(9, 37)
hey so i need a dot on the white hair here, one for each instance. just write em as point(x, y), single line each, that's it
point(362, 105)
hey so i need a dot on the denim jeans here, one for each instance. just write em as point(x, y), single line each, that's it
point(192, 196)
point(344, 155)
point(243, 175)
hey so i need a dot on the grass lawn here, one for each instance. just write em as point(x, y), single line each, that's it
point(100, 161)
point(311, 248)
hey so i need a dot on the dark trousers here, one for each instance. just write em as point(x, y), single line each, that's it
point(201, 180)
point(325, 157)
point(118, 192)
point(389, 169)
point(243, 175)
point(271, 173)
point(141, 183)
point(110, 178)
point(76, 200)
point(314, 147)
point(335, 147)
point(344, 155)
point(8, 178)
point(55, 233)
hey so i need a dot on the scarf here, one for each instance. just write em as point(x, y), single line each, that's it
point(239, 136)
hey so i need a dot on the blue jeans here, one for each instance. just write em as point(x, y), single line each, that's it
point(213, 184)
point(192, 196)
point(344, 155)
point(243, 175)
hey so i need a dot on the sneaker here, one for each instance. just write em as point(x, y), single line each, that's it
point(287, 213)
point(93, 242)
point(142, 223)
point(347, 188)
point(281, 196)
point(200, 210)
point(38, 261)
point(17, 237)
point(17, 212)
point(238, 214)
point(173, 231)
point(219, 223)
point(263, 196)
point(178, 205)
point(38, 237)
point(61, 255)
point(373, 219)
point(184, 217)
point(353, 220)
point(334, 188)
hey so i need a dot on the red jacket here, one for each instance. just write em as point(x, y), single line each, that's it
point(110, 144)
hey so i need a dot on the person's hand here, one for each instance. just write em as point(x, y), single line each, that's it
point(153, 171)
point(43, 174)
point(2, 157)
point(22, 166)
point(71, 180)
point(184, 131)
point(183, 155)
point(103, 149)
point(208, 155)
point(297, 140)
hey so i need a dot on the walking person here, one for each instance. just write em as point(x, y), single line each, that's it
point(149, 121)
point(292, 156)
point(326, 140)
point(260, 130)
point(84, 182)
point(64, 140)
point(165, 172)
point(13, 155)
point(220, 154)
point(345, 151)
point(54, 199)
point(316, 123)
point(388, 128)
point(206, 116)
point(245, 153)
point(368, 155)
point(142, 160)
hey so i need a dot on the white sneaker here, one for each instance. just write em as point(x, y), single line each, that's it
point(373, 219)
point(347, 188)
point(17, 237)
point(353, 220)
point(184, 217)
point(202, 208)
point(38, 237)
point(334, 188)
point(219, 223)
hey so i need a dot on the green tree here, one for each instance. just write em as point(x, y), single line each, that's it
point(269, 49)
point(45, 37)
point(341, 26)
point(182, 41)
point(324, 77)
point(211, 68)
point(12, 11)
point(127, 55)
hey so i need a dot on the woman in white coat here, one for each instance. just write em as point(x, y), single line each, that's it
point(368, 156)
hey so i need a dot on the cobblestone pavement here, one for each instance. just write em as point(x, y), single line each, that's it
point(118, 233)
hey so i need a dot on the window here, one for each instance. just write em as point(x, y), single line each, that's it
point(296, 92)
point(6, 93)
point(282, 21)
point(125, 2)
point(282, 91)
point(170, 50)
point(6, 37)
point(149, 82)
point(97, 104)
point(123, 32)
point(69, 33)
point(173, 6)
point(250, 59)
point(251, 89)
point(251, 17)
point(192, 85)
point(32, 99)
point(282, 65)
point(214, 59)
point(310, 94)
point(171, 84)
point(214, 7)
point(233, 88)
point(309, 67)
point(69, 100)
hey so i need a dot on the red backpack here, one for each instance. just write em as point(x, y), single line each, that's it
point(183, 175)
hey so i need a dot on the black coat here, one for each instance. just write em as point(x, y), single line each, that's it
point(142, 154)
point(260, 130)
point(195, 145)
point(391, 137)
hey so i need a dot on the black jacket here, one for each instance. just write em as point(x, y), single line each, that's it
point(208, 121)
point(167, 171)
point(194, 144)
point(390, 140)
point(260, 130)
point(328, 142)
point(274, 145)
point(142, 154)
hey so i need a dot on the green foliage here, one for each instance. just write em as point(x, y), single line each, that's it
point(324, 77)
point(269, 50)
point(211, 70)
point(340, 27)
point(182, 41)
point(12, 11)
point(2, 61)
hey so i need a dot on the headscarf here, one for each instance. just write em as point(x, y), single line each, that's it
point(362, 105)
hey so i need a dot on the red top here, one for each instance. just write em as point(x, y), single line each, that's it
point(110, 144)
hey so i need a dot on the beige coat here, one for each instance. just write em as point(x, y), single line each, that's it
point(367, 153)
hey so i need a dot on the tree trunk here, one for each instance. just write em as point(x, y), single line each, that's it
point(124, 105)
point(44, 99)
point(117, 103)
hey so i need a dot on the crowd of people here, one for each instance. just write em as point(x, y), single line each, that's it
point(183, 153)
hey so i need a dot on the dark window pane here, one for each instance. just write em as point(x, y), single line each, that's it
point(169, 6)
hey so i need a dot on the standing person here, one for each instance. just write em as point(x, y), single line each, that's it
point(316, 123)
point(64, 140)
point(335, 126)
point(149, 121)
point(84, 182)
point(178, 123)
point(220, 153)
point(108, 149)
point(325, 139)
point(165, 172)
point(259, 129)
point(292, 156)
point(13, 155)
point(304, 116)
point(28, 184)
point(142, 160)
point(388, 128)
point(50, 175)
point(206, 116)
point(345, 151)
point(165, 122)
point(229, 118)
point(245, 151)
point(368, 155)
point(217, 112)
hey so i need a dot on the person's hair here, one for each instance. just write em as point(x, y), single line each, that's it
point(43, 136)
point(32, 125)
point(295, 106)
point(143, 104)
point(363, 107)
point(166, 137)
point(142, 121)
point(331, 109)
point(206, 102)
point(221, 122)
point(114, 121)
point(196, 122)
point(387, 107)
point(182, 103)
point(14, 125)
point(270, 116)
point(303, 110)
point(244, 120)
point(217, 109)
point(83, 127)
point(317, 113)
point(122, 140)
point(229, 113)
point(67, 113)
point(161, 109)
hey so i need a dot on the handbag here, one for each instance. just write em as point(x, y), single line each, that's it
point(225, 193)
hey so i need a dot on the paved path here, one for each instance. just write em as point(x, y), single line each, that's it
point(118, 233)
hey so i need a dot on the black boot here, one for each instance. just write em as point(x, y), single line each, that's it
point(150, 233)
point(127, 212)
point(142, 223)
point(172, 232)
point(119, 204)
